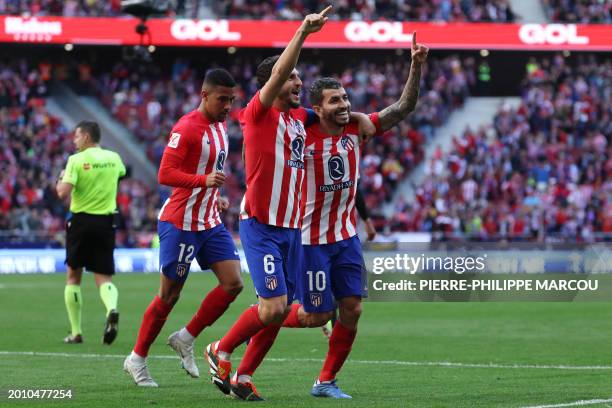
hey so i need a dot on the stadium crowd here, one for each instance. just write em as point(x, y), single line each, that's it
point(34, 147)
point(437, 10)
point(567, 11)
point(148, 103)
point(88, 8)
point(539, 172)
point(579, 11)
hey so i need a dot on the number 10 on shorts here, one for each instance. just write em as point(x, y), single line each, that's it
point(316, 281)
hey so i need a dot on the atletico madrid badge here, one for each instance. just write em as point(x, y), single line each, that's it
point(271, 282)
point(316, 299)
point(347, 143)
point(180, 270)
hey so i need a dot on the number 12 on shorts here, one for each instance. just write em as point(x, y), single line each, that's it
point(316, 281)
point(188, 255)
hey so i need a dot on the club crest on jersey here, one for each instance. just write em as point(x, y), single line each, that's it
point(316, 299)
point(299, 128)
point(271, 282)
point(347, 143)
point(181, 269)
point(335, 166)
point(174, 140)
point(221, 160)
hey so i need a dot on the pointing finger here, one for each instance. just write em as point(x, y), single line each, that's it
point(414, 42)
point(325, 11)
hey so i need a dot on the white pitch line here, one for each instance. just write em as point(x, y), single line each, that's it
point(574, 404)
point(316, 360)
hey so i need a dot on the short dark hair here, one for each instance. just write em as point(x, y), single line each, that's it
point(219, 77)
point(91, 128)
point(264, 70)
point(315, 93)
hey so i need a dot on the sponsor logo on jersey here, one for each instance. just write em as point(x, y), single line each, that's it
point(271, 282)
point(296, 164)
point(181, 269)
point(103, 165)
point(328, 188)
point(174, 140)
point(221, 160)
point(316, 299)
point(86, 166)
point(335, 166)
point(297, 152)
point(297, 148)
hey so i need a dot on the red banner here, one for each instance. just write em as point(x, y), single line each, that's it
point(336, 34)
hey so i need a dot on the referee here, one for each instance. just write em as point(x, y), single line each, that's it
point(90, 179)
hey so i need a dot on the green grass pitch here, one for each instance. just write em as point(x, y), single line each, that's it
point(500, 350)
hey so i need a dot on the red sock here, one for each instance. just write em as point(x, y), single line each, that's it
point(247, 325)
point(154, 318)
point(213, 306)
point(257, 349)
point(340, 344)
point(292, 318)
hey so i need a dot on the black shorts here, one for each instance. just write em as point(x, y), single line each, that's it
point(90, 242)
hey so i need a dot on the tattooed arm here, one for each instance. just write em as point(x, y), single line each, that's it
point(395, 113)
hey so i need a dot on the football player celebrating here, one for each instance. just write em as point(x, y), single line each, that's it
point(332, 250)
point(190, 226)
point(274, 137)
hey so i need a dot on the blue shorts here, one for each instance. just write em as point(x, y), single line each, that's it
point(332, 271)
point(274, 257)
point(177, 248)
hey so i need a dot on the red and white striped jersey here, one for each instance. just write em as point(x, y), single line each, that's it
point(330, 184)
point(201, 147)
point(274, 162)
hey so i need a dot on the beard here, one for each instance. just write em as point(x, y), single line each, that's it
point(332, 118)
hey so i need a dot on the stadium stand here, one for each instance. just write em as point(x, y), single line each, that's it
point(68, 8)
point(578, 11)
point(565, 11)
point(439, 10)
point(88, 8)
point(535, 173)
point(34, 149)
point(538, 173)
point(148, 103)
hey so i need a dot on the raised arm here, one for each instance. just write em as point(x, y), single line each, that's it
point(289, 58)
point(395, 113)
